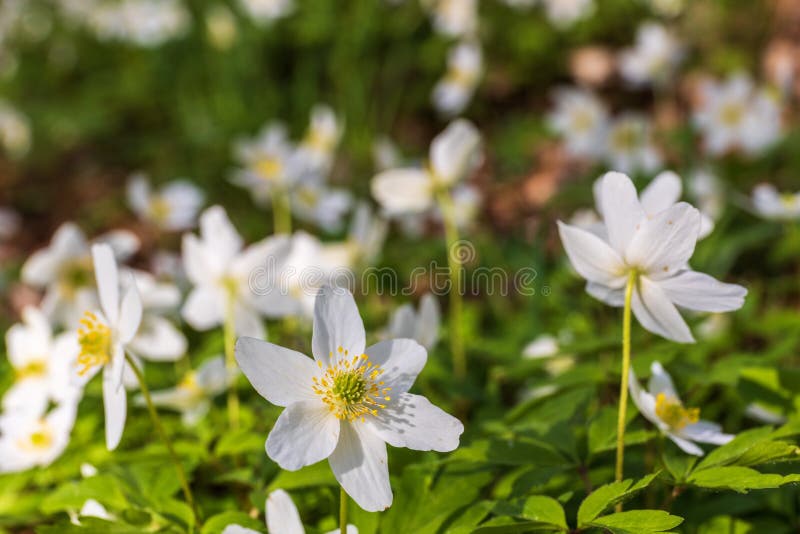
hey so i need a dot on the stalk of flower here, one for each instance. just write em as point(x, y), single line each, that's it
point(347, 402)
point(640, 263)
point(454, 153)
point(104, 339)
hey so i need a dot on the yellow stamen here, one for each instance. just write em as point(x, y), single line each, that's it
point(94, 338)
point(349, 387)
point(671, 411)
point(39, 439)
point(269, 169)
point(34, 368)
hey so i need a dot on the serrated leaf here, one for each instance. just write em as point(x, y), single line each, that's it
point(638, 522)
point(545, 509)
point(739, 478)
point(608, 495)
point(731, 451)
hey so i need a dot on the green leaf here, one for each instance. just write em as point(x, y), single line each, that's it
point(71, 496)
point(730, 452)
point(638, 522)
point(240, 442)
point(607, 496)
point(216, 524)
point(545, 509)
point(738, 478)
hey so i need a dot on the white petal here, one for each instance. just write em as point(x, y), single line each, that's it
point(662, 245)
point(621, 209)
point(337, 324)
point(219, 235)
point(115, 405)
point(428, 322)
point(664, 191)
point(204, 308)
point(105, 271)
point(159, 340)
point(401, 361)
point(130, 314)
point(305, 433)
point(361, 466)
point(280, 375)
point(612, 297)
point(42, 267)
point(706, 432)
point(122, 242)
point(238, 529)
point(656, 313)
point(687, 446)
point(592, 257)
point(701, 292)
point(247, 322)
point(412, 421)
point(401, 191)
point(661, 382)
point(643, 400)
point(282, 515)
point(402, 322)
point(198, 266)
point(455, 151)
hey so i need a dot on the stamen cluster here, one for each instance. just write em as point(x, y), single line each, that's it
point(94, 337)
point(671, 411)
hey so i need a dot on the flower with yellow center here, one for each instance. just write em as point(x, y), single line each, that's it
point(661, 405)
point(171, 207)
point(28, 441)
point(464, 67)
point(772, 204)
point(348, 402)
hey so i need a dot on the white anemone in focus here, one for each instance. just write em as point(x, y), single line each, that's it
point(173, 207)
point(464, 67)
point(29, 441)
point(581, 119)
point(103, 337)
point(422, 326)
point(193, 394)
point(629, 145)
point(655, 250)
point(64, 270)
point(454, 154)
point(771, 204)
point(347, 402)
point(231, 279)
point(654, 57)
point(661, 405)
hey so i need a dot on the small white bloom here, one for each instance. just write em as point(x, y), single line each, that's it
point(629, 145)
point(454, 153)
point(173, 207)
point(661, 405)
point(15, 131)
point(422, 327)
point(656, 249)
point(582, 119)
point(454, 18)
point(564, 13)
point(709, 196)
point(769, 203)
point(364, 242)
point(267, 11)
point(464, 67)
point(321, 205)
point(385, 154)
point(347, 402)
point(544, 346)
point(158, 338)
point(91, 508)
point(319, 144)
point(221, 26)
point(64, 269)
point(654, 57)
point(29, 441)
point(147, 23)
point(229, 278)
point(283, 517)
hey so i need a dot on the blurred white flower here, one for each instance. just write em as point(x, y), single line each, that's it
point(734, 114)
point(15, 131)
point(656, 250)
point(173, 207)
point(364, 242)
point(229, 278)
point(544, 346)
point(454, 154)
point(630, 147)
point(64, 270)
point(454, 18)
point(564, 13)
point(193, 395)
point(147, 23)
point(319, 144)
point(347, 402)
point(158, 339)
point(667, 8)
point(771, 204)
point(654, 57)
point(320, 205)
point(582, 119)
point(464, 67)
point(764, 415)
point(385, 154)
point(9, 223)
point(28, 441)
point(104, 336)
point(422, 327)
point(708, 193)
point(91, 508)
point(221, 26)
point(42, 364)
point(267, 11)
point(662, 406)
point(283, 517)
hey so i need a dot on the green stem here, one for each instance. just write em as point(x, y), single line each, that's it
point(281, 211)
point(229, 331)
point(187, 492)
point(456, 301)
point(623, 387)
point(342, 511)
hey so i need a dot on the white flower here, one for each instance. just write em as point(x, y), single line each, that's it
point(544, 346)
point(321, 205)
point(192, 396)
point(454, 153)
point(661, 405)
point(9, 223)
point(385, 154)
point(564, 13)
point(230, 278)
point(582, 119)
point(158, 338)
point(347, 402)
point(42, 365)
point(91, 508)
point(221, 26)
point(654, 58)
point(454, 18)
point(734, 114)
point(147, 23)
point(464, 67)
point(422, 327)
point(267, 11)
point(283, 517)
point(769, 203)
point(708, 194)
point(656, 250)
point(630, 147)
point(30, 441)
point(15, 131)
point(173, 207)
point(319, 144)
point(364, 242)
point(64, 270)
point(466, 205)
point(104, 336)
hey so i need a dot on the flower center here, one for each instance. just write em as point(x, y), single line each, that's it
point(350, 386)
point(230, 285)
point(190, 385)
point(671, 411)
point(159, 209)
point(582, 120)
point(789, 200)
point(732, 114)
point(38, 440)
point(33, 369)
point(94, 338)
point(75, 275)
point(269, 168)
point(319, 141)
point(626, 137)
point(462, 77)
